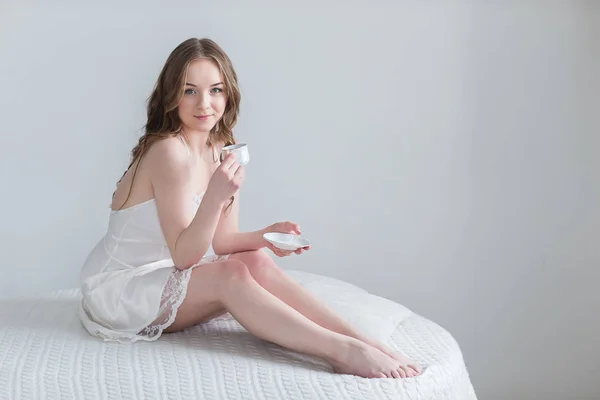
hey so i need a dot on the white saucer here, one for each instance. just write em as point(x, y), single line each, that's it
point(286, 241)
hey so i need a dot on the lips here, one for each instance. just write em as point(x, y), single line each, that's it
point(202, 117)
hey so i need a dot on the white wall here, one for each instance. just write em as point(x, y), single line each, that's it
point(444, 157)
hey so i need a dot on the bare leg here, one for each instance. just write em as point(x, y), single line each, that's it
point(228, 284)
point(267, 274)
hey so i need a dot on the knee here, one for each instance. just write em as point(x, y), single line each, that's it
point(260, 265)
point(235, 269)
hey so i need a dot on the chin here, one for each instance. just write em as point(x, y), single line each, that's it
point(200, 124)
point(205, 125)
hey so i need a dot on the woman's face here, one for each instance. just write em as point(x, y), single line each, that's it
point(204, 100)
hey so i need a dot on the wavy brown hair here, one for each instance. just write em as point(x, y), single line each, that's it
point(162, 118)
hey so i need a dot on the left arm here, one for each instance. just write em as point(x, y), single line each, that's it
point(228, 239)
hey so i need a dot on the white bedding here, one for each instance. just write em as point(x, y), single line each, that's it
point(46, 354)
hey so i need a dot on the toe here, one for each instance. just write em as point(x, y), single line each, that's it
point(417, 368)
point(406, 370)
point(396, 374)
point(401, 372)
point(382, 374)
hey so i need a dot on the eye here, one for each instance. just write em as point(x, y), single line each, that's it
point(189, 91)
point(216, 90)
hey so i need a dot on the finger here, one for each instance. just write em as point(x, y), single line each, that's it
point(298, 251)
point(292, 227)
point(234, 167)
point(228, 161)
point(239, 175)
point(224, 153)
point(296, 228)
point(278, 252)
point(274, 249)
point(305, 248)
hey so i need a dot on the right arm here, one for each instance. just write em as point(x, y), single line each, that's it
point(188, 236)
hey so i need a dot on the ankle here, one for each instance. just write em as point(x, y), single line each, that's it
point(343, 345)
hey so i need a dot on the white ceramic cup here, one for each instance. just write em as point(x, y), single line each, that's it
point(242, 156)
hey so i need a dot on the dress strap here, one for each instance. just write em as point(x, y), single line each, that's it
point(180, 136)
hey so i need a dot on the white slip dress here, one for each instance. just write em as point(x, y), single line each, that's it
point(130, 288)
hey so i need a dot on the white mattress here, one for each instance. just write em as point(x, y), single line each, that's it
point(46, 354)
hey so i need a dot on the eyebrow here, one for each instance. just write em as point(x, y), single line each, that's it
point(214, 84)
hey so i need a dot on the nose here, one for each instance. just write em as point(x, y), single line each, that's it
point(203, 101)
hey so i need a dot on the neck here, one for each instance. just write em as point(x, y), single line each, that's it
point(197, 141)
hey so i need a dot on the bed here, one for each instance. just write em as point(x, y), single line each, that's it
point(46, 354)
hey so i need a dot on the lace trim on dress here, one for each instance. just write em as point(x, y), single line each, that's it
point(172, 296)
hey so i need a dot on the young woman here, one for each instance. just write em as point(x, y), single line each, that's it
point(173, 256)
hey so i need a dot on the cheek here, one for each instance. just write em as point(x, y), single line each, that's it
point(219, 104)
point(185, 109)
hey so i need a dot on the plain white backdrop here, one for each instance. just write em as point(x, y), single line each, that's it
point(442, 156)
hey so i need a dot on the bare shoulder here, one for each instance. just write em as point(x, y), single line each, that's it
point(170, 150)
point(164, 166)
point(167, 157)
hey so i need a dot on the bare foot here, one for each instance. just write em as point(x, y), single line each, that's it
point(410, 367)
point(359, 358)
